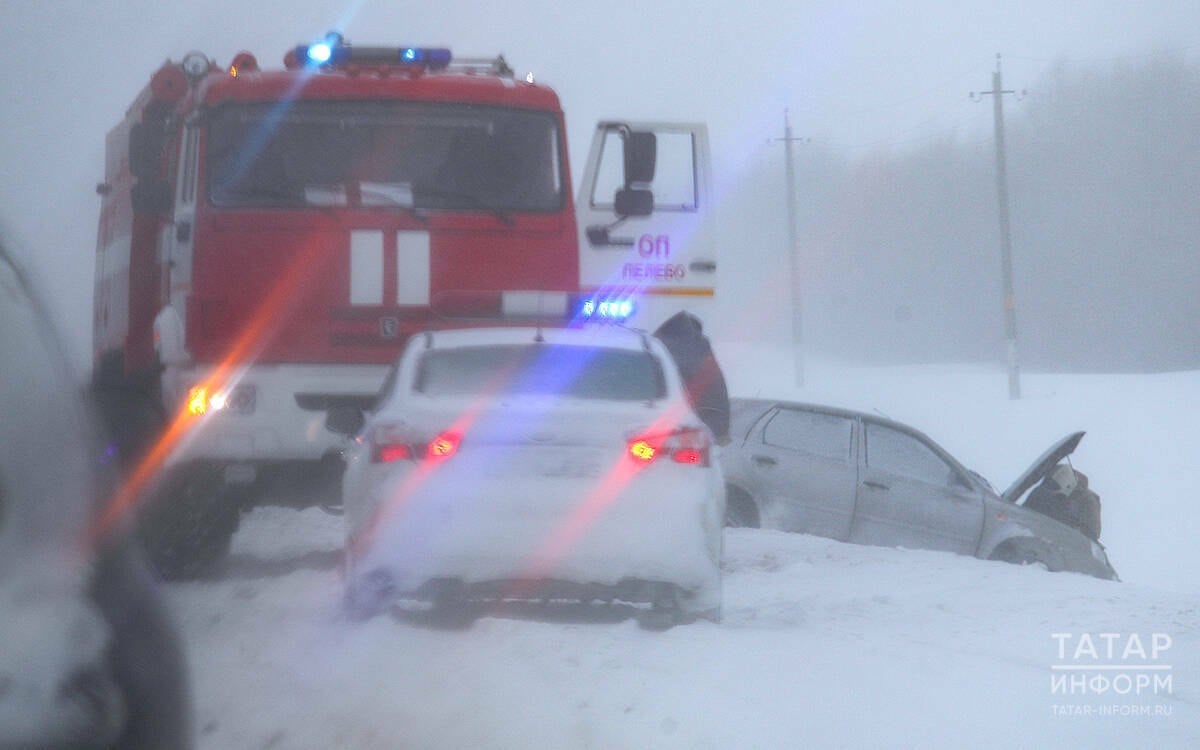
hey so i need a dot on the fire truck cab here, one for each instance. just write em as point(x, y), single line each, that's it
point(269, 239)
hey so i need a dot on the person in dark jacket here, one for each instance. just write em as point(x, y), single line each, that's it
point(683, 335)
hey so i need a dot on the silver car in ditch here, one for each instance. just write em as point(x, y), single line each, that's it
point(864, 479)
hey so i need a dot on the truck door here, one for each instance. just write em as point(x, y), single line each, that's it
point(645, 219)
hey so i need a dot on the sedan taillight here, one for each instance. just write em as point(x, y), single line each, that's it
point(390, 443)
point(686, 446)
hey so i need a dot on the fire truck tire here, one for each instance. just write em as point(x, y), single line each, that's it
point(189, 522)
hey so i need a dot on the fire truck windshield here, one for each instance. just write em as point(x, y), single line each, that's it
point(415, 155)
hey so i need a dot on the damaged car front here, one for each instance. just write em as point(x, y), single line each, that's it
point(1049, 517)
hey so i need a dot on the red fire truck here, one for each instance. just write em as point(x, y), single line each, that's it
point(269, 238)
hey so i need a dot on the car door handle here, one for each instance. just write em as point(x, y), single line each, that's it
point(764, 460)
point(876, 485)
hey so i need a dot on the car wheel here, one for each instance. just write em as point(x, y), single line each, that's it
point(740, 510)
point(189, 521)
point(1021, 555)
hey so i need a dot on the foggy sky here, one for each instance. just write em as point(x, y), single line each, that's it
point(859, 78)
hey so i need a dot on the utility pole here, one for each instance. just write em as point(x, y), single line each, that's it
point(793, 251)
point(1010, 309)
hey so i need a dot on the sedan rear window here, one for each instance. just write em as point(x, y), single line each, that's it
point(542, 369)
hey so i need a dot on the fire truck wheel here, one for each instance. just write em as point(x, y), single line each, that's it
point(188, 523)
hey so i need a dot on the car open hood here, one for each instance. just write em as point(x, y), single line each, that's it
point(1042, 466)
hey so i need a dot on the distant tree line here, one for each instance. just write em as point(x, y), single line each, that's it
point(902, 249)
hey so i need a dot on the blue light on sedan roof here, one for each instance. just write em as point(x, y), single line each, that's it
point(612, 310)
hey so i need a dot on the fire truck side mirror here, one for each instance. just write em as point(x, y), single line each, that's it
point(145, 149)
point(344, 420)
point(633, 202)
point(151, 197)
point(641, 153)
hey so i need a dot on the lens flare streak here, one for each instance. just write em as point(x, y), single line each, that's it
point(276, 305)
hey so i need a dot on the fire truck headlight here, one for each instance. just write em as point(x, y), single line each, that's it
point(205, 399)
point(198, 400)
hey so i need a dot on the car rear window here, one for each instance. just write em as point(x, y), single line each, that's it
point(542, 369)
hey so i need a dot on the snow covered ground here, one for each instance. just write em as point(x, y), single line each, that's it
point(823, 644)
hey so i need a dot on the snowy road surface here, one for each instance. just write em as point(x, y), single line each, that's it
point(823, 645)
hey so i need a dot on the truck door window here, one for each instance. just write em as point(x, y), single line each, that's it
point(674, 185)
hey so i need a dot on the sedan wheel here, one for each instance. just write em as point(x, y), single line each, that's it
point(740, 510)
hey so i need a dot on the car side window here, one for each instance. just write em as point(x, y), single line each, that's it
point(825, 435)
point(899, 453)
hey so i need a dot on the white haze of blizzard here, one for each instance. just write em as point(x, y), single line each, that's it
point(823, 644)
point(861, 76)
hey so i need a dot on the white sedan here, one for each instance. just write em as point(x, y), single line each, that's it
point(535, 464)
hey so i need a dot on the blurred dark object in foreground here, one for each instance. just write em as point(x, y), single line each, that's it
point(90, 658)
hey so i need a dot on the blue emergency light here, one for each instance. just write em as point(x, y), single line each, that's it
point(606, 310)
point(319, 53)
point(432, 57)
point(333, 51)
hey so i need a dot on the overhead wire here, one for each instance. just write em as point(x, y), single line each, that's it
point(948, 131)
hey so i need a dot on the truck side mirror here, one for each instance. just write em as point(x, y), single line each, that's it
point(344, 420)
point(145, 149)
point(641, 153)
point(633, 202)
point(151, 197)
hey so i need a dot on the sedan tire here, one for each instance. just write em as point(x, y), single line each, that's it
point(740, 510)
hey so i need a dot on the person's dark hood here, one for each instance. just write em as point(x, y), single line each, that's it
point(680, 325)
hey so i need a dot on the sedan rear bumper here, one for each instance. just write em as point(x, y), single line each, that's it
point(604, 537)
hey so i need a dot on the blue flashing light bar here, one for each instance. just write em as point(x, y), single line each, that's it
point(430, 57)
point(610, 310)
point(333, 51)
point(319, 53)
